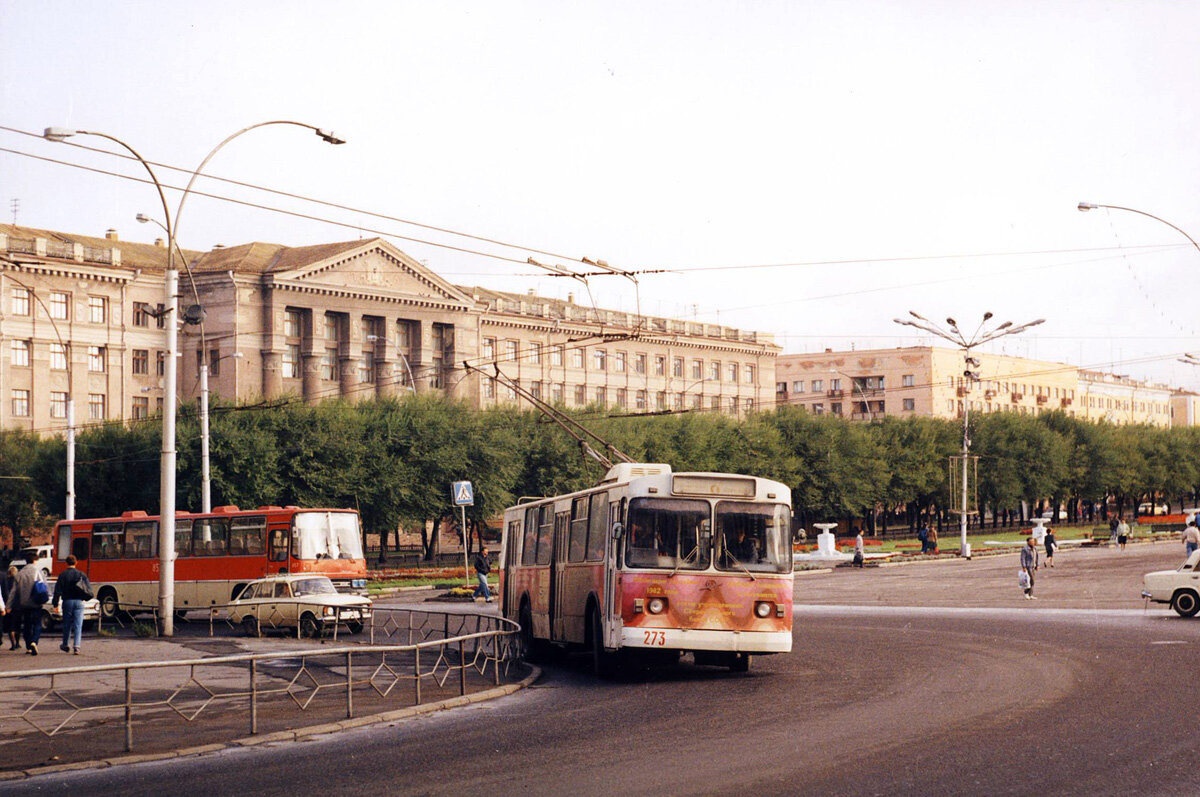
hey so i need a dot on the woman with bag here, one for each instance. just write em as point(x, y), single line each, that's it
point(73, 588)
point(1051, 547)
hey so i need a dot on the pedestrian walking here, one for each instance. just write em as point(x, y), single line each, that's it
point(923, 536)
point(1051, 546)
point(1113, 522)
point(1122, 532)
point(27, 597)
point(858, 549)
point(11, 619)
point(482, 568)
point(73, 588)
point(1028, 566)
point(1191, 539)
point(932, 538)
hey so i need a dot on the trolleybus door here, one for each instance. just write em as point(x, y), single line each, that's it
point(562, 530)
point(278, 539)
point(513, 535)
point(612, 545)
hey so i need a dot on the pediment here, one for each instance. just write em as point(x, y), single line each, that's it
point(375, 265)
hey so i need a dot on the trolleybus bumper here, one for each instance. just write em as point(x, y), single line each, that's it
point(704, 639)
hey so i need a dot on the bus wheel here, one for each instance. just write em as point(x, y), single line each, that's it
point(525, 619)
point(109, 606)
point(310, 626)
point(740, 662)
point(602, 661)
point(250, 625)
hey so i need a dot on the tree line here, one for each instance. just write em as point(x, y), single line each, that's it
point(394, 460)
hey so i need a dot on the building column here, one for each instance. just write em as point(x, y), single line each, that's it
point(420, 361)
point(272, 373)
point(310, 375)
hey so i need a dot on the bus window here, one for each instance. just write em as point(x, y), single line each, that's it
point(246, 535)
point(597, 528)
point(529, 551)
point(668, 533)
point(64, 543)
point(81, 547)
point(210, 537)
point(753, 537)
point(279, 545)
point(107, 537)
point(183, 538)
point(140, 539)
point(545, 534)
point(579, 530)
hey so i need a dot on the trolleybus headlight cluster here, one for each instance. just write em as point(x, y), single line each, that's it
point(763, 609)
point(656, 605)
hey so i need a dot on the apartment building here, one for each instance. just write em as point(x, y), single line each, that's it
point(931, 381)
point(81, 317)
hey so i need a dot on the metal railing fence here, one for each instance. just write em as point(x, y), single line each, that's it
point(418, 647)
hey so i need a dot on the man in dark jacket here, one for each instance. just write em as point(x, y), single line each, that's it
point(73, 588)
point(482, 568)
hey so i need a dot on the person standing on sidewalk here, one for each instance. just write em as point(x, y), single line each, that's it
point(73, 588)
point(1029, 564)
point(1122, 533)
point(1191, 539)
point(27, 598)
point(482, 568)
point(858, 549)
point(1051, 547)
point(12, 624)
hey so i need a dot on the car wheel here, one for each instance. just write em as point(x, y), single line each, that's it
point(1186, 603)
point(47, 620)
point(310, 626)
point(109, 606)
point(250, 625)
point(355, 626)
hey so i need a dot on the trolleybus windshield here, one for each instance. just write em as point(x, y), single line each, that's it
point(753, 537)
point(328, 535)
point(669, 533)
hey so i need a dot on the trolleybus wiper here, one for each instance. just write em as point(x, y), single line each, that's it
point(738, 562)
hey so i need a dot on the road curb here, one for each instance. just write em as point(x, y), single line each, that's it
point(283, 736)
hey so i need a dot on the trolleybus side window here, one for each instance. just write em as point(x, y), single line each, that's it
point(597, 527)
point(140, 539)
point(753, 536)
point(279, 545)
point(64, 542)
point(545, 534)
point(579, 529)
point(246, 535)
point(183, 538)
point(107, 537)
point(529, 551)
point(668, 533)
point(210, 537)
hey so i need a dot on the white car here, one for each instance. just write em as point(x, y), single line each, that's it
point(1180, 588)
point(296, 600)
point(35, 553)
point(52, 615)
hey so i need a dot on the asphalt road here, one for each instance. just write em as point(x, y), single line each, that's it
point(927, 679)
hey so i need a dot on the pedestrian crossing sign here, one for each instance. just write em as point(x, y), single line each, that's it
point(464, 494)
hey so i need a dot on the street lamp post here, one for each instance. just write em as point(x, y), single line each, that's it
point(166, 526)
point(412, 383)
point(966, 344)
point(1084, 207)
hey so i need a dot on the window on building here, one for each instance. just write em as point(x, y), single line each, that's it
point(489, 388)
point(556, 355)
point(291, 361)
point(160, 363)
point(639, 363)
point(535, 353)
point(818, 385)
point(489, 349)
point(141, 407)
point(97, 309)
point(20, 403)
point(535, 390)
point(676, 366)
point(510, 392)
point(141, 314)
point(731, 372)
point(619, 362)
point(909, 404)
point(97, 359)
point(333, 327)
point(580, 396)
point(329, 365)
point(366, 368)
point(292, 323)
point(798, 387)
point(677, 401)
point(818, 408)
point(556, 394)
point(835, 384)
point(639, 400)
point(141, 362)
point(622, 398)
point(441, 355)
point(660, 365)
point(20, 301)
point(660, 400)
point(58, 357)
point(697, 401)
point(748, 405)
point(714, 371)
point(58, 404)
point(20, 353)
point(835, 408)
point(601, 397)
point(60, 305)
point(576, 358)
point(214, 362)
point(748, 374)
point(781, 387)
point(714, 403)
point(907, 380)
point(697, 369)
point(512, 350)
point(96, 407)
point(600, 359)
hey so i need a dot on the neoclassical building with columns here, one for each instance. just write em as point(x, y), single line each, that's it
point(81, 317)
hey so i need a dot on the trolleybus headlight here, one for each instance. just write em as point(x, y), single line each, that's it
point(656, 605)
point(762, 609)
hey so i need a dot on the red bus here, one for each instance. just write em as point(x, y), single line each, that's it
point(654, 564)
point(216, 554)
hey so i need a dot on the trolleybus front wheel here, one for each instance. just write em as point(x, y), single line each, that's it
point(603, 662)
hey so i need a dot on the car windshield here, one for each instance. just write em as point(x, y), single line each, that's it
point(313, 586)
point(668, 533)
point(753, 537)
point(328, 535)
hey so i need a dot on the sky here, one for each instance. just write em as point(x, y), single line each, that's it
point(808, 169)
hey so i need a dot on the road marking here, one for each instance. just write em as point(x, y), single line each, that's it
point(1169, 642)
